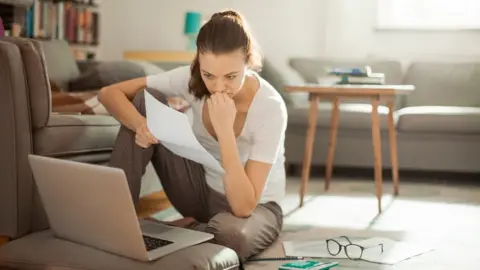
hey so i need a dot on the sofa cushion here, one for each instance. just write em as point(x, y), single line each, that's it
point(439, 119)
point(351, 115)
point(443, 84)
point(311, 68)
point(280, 76)
point(44, 251)
point(61, 64)
point(76, 134)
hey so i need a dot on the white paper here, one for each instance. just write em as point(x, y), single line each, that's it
point(393, 251)
point(172, 128)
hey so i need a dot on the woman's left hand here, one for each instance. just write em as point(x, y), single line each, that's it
point(222, 112)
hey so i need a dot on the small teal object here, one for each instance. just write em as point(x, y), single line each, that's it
point(192, 27)
point(308, 265)
point(192, 22)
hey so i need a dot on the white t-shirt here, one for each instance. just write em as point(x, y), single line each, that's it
point(262, 138)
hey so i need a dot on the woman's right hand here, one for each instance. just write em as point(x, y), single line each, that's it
point(143, 136)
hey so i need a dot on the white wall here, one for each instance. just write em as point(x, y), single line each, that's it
point(283, 28)
point(350, 32)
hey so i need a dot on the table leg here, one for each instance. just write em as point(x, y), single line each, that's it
point(377, 152)
point(393, 146)
point(307, 159)
point(332, 143)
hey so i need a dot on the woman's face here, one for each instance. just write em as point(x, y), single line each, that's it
point(223, 72)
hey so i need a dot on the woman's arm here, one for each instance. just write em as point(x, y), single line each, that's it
point(117, 97)
point(117, 100)
point(244, 185)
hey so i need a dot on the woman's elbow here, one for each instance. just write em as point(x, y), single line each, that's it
point(244, 211)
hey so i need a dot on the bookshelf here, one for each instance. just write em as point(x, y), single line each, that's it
point(75, 21)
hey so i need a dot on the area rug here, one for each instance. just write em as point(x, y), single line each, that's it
point(453, 250)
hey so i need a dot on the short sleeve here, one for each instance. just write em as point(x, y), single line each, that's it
point(171, 83)
point(269, 134)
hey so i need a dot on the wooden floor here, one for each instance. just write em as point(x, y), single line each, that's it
point(3, 240)
point(152, 203)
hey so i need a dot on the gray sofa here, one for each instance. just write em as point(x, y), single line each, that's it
point(438, 125)
point(29, 126)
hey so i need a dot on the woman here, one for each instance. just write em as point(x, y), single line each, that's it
point(238, 117)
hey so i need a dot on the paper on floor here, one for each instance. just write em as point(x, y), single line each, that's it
point(172, 128)
point(393, 251)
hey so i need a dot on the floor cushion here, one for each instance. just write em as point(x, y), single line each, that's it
point(44, 251)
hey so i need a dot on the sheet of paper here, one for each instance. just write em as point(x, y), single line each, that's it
point(393, 251)
point(172, 128)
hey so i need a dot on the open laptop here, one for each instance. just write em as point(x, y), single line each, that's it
point(92, 205)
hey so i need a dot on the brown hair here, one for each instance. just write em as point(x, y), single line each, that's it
point(225, 32)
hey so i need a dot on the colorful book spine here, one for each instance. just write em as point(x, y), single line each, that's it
point(2, 28)
point(66, 20)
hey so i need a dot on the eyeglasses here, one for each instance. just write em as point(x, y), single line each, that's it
point(353, 251)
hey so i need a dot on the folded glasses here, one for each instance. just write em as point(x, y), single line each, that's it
point(353, 251)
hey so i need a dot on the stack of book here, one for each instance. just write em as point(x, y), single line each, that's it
point(74, 21)
point(354, 75)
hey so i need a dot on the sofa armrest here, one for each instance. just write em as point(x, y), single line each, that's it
point(15, 144)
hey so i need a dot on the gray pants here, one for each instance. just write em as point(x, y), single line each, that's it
point(184, 184)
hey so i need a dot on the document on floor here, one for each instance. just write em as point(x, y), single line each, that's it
point(393, 251)
point(172, 128)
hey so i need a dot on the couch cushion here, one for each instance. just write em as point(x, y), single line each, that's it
point(311, 68)
point(351, 115)
point(280, 76)
point(439, 118)
point(61, 64)
point(444, 84)
point(76, 134)
point(44, 251)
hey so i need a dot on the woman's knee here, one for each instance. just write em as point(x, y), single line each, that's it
point(229, 231)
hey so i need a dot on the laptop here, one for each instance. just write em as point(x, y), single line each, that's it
point(92, 205)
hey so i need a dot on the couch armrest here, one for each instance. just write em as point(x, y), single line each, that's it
point(15, 144)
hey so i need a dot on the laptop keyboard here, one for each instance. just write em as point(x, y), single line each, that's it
point(154, 243)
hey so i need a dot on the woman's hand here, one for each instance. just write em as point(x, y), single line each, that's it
point(222, 112)
point(143, 136)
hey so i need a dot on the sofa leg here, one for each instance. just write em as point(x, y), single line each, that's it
point(3, 240)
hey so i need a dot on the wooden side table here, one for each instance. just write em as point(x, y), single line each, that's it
point(374, 93)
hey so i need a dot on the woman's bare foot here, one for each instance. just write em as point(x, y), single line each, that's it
point(183, 222)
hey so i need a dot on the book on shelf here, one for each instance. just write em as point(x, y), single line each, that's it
point(74, 21)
